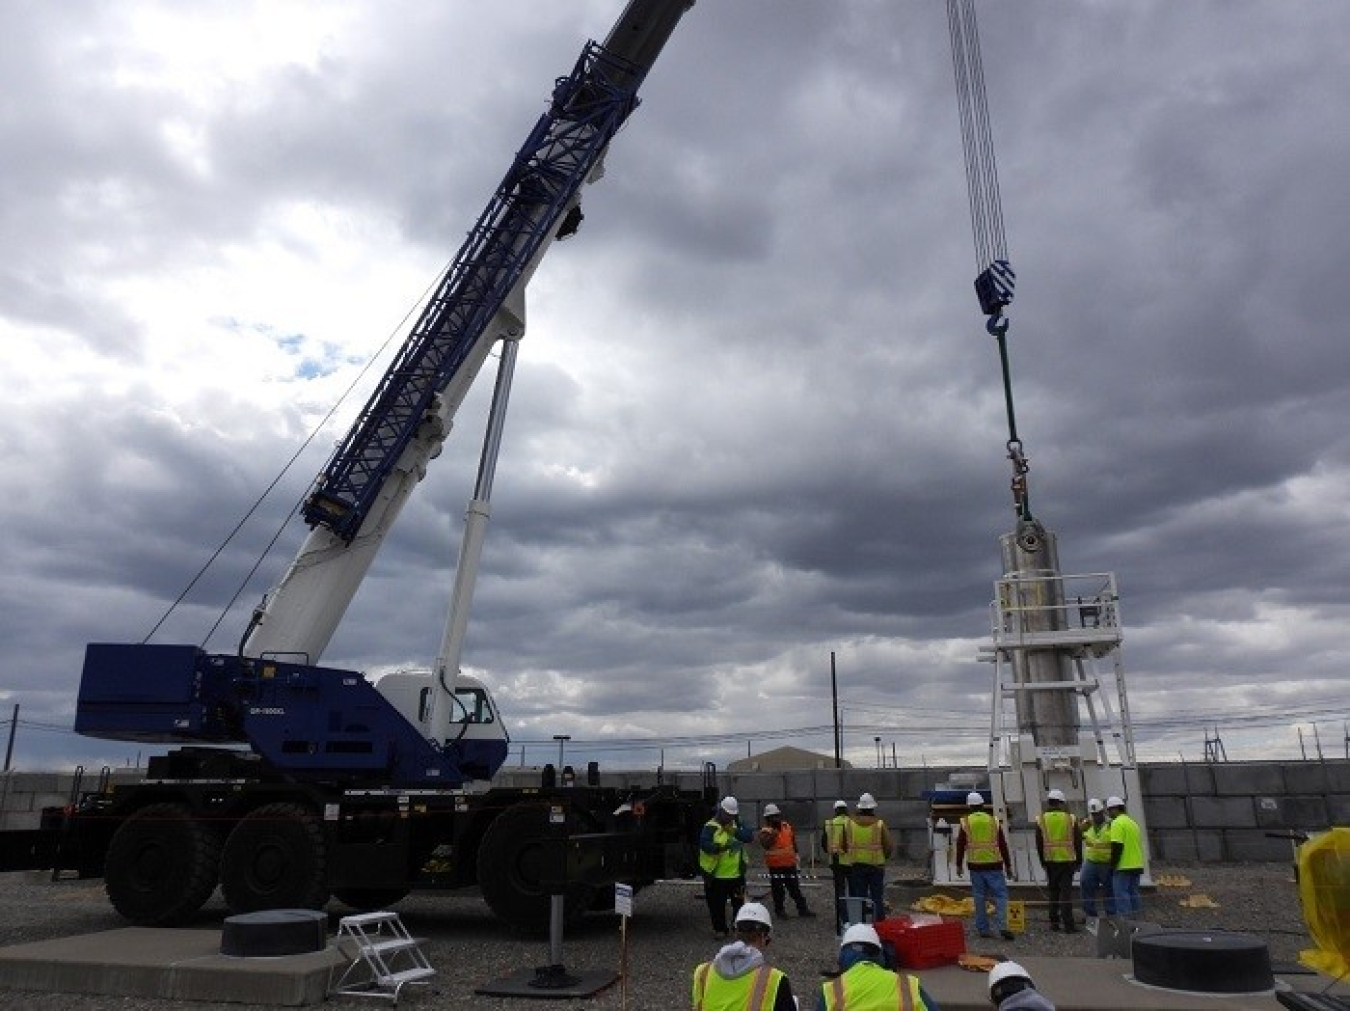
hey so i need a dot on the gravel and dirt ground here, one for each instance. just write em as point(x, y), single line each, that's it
point(668, 934)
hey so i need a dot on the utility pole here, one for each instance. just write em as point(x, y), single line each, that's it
point(13, 726)
point(838, 736)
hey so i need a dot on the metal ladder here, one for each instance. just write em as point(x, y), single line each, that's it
point(386, 957)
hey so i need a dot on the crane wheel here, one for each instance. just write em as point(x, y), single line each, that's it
point(161, 866)
point(275, 858)
point(513, 859)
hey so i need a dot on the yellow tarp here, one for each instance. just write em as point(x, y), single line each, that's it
point(945, 905)
point(1172, 881)
point(1324, 892)
point(1198, 901)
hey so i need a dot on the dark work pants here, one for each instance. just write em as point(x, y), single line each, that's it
point(786, 880)
point(1059, 885)
point(720, 891)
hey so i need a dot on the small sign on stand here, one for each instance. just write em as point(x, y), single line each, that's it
point(623, 905)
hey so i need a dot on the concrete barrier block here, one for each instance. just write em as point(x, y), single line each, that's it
point(829, 784)
point(1223, 812)
point(1336, 776)
point(1159, 780)
point(756, 787)
point(1290, 812)
point(1338, 809)
point(1185, 846)
point(799, 784)
point(1199, 780)
point(1166, 812)
point(1239, 779)
point(1245, 846)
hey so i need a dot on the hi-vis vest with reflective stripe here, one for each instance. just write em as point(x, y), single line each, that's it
point(864, 843)
point(1096, 842)
point(781, 852)
point(869, 987)
point(726, 864)
point(981, 830)
point(755, 991)
point(835, 830)
point(1057, 836)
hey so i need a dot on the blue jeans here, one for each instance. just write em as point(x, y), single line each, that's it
point(868, 881)
point(1125, 885)
point(995, 885)
point(1092, 877)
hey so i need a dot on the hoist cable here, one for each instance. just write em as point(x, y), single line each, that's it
point(986, 210)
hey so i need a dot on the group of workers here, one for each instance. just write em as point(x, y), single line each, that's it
point(1107, 845)
point(740, 978)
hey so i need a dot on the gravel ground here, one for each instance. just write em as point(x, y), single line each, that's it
point(667, 936)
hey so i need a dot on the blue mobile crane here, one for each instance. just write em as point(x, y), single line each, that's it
point(356, 787)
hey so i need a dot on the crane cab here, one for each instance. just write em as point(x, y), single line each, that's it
point(473, 725)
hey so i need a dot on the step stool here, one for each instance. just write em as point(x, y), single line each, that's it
point(384, 957)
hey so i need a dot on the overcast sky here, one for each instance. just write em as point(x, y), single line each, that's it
point(756, 418)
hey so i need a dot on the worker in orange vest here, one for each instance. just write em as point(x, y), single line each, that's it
point(780, 856)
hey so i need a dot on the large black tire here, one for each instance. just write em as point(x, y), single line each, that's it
point(276, 858)
point(161, 866)
point(511, 862)
point(366, 899)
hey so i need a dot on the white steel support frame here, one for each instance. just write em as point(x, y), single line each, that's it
point(1078, 617)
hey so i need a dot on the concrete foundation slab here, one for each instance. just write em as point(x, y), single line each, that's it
point(1084, 984)
point(174, 964)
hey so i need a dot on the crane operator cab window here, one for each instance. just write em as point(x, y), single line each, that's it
point(472, 705)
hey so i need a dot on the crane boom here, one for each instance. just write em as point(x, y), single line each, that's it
point(479, 300)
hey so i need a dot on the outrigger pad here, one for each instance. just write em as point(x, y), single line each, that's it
point(273, 932)
point(550, 982)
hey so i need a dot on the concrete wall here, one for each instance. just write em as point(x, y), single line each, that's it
point(1195, 813)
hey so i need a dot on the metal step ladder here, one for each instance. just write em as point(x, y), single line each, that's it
point(384, 957)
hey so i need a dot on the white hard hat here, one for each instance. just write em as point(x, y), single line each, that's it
point(861, 933)
point(867, 802)
point(974, 799)
point(1114, 802)
point(1095, 805)
point(1055, 795)
point(1007, 970)
point(770, 810)
point(730, 806)
point(754, 912)
point(841, 803)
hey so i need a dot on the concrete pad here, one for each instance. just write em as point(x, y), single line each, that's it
point(180, 964)
point(1090, 984)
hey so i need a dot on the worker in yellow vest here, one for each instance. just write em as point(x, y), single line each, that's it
point(864, 984)
point(739, 978)
point(1096, 873)
point(832, 842)
point(868, 844)
point(981, 842)
point(1127, 858)
point(780, 855)
point(1059, 844)
point(721, 858)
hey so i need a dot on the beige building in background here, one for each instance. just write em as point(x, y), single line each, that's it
point(786, 759)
